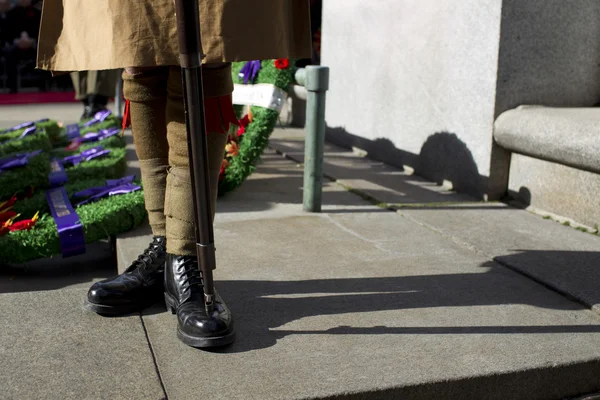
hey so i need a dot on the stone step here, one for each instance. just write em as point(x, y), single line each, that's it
point(360, 302)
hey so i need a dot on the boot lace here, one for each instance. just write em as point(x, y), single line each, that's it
point(147, 258)
point(192, 278)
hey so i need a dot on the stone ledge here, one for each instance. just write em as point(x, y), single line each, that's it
point(566, 136)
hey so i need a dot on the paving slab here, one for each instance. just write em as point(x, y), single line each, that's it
point(50, 348)
point(560, 257)
point(371, 305)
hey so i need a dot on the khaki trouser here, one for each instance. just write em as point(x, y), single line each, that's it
point(159, 133)
point(94, 82)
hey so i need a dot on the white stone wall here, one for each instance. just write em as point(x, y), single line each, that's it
point(408, 69)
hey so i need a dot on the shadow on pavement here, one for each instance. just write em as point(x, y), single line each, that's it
point(277, 181)
point(57, 273)
point(261, 307)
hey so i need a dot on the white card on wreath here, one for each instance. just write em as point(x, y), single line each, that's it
point(262, 94)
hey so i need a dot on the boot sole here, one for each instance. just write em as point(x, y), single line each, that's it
point(112, 311)
point(200, 342)
point(203, 342)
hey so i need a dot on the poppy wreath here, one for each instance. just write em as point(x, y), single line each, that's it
point(29, 136)
point(23, 141)
point(55, 131)
point(38, 237)
point(93, 125)
point(93, 163)
point(246, 145)
point(81, 165)
point(45, 134)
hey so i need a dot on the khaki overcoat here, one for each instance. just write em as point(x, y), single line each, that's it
point(79, 35)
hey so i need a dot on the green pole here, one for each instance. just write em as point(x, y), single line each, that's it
point(316, 81)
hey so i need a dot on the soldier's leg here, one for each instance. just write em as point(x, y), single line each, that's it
point(183, 281)
point(141, 285)
point(147, 95)
point(104, 83)
point(179, 209)
point(100, 86)
point(79, 79)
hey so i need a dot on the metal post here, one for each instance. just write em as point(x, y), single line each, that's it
point(119, 97)
point(316, 81)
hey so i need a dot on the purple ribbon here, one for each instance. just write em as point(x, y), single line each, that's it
point(73, 131)
point(70, 231)
point(17, 160)
point(28, 131)
point(86, 155)
point(111, 191)
point(24, 125)
point(18, 127)
point(57, 175)
point(98, 117)
point(101, 135)
point(111, 183)
point(250, 70)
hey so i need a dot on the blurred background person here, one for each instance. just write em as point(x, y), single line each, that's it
point(93, 89)
point(20, 32)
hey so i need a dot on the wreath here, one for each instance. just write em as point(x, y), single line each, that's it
point(38, 237)
point(33, 169)
point(89, 158)
point(246, 145)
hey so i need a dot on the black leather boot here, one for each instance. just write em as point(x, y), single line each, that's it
point(140, 286)
point(98, 102)
point(86, 110)
point(184, 296)
point(94, 103)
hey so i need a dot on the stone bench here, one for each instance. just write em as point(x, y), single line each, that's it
point(568, 136)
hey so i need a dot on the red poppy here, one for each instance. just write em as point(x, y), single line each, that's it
point(5, 227)
point(25, 224)
point(282, 63)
